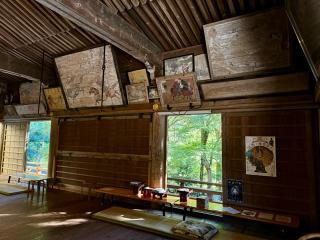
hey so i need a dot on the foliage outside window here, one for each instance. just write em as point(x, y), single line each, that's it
point(194, 149)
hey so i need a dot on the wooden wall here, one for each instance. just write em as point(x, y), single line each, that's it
point(293, 189)
point(109, 152)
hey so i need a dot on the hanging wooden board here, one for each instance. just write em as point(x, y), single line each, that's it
point(81, 77)
point(30, 109)
point(29, 93)
point(55, 98)
point(248, 44)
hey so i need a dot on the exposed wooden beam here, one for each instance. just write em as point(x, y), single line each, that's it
point(97, 18)
point(317, 92)
point(20, 68)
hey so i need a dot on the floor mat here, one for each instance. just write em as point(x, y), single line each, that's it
point(156, 224)
point(11, 189)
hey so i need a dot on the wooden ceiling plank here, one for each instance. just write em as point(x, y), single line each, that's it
point(136, 17)
point(98, 19)
point(232, 8)
point(90, 37)
point(204, 11)
point(224, 10)
point(129, 19)
point(214, 10)
point(18, 67)
point(191, 21)
point(183, 22)
point(165, 22)
point(174, 22)
point(242, 5)
point(197, 16)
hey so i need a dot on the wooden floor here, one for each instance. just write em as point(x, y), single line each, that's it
point(60, 215)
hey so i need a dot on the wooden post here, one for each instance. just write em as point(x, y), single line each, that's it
point(158, 163)
point(54, 140)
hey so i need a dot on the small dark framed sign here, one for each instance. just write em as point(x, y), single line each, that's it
point(235, 190)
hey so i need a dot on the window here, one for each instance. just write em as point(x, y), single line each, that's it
point(194, 154)
point(26, 147)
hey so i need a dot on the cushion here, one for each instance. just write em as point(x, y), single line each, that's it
point(195, 230)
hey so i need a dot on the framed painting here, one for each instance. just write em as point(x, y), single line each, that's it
point(235, 190)
point(81, 78)
point(153, 92)
point(30, 109)
point(55, 99)
point(178, 90)
point(138, 76)
point(201, 67)
point(249, 44)
point(29, 93)
point(9, 111)
point(137, 93)
point(179, 65)
point(260, 155)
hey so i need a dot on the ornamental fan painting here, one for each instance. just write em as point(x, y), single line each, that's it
point(260, 156)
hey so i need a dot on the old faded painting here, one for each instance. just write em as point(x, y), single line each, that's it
point(248, 44)
point(138, 76)
point(55, 98)
point(178, 90)
point(137, 93)
point(29, 93)
point(30, 109)
point(81, 78)
point(178, 65)
point(201, 67)
point(260, 155)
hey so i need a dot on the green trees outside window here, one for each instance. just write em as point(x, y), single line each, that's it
point(194, 148)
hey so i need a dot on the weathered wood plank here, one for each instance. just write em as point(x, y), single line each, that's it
point(248, 44)
point(97, 18)
point(317, 92)
point(256, 86)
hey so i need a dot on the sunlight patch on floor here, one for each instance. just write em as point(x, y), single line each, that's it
point(69, 222)
point(47, 214)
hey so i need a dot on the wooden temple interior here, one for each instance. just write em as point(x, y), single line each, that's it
point(108, 75)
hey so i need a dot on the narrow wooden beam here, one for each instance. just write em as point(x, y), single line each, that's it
point(317, 92)
point(97, 18)
point(257, 86)
point(20, 68)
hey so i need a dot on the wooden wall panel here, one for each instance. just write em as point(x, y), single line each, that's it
point(293, 189)
point(108, 152)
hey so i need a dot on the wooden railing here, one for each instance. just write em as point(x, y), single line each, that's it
point(209, 192)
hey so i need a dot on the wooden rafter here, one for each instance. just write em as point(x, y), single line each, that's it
point(97, 18)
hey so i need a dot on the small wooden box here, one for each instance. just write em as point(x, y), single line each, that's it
point(202, 202)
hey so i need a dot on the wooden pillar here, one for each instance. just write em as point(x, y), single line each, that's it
point(54, 140)
point(158, 156)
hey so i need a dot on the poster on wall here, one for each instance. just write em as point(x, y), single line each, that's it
point(235, 190)
point(81, 78)
point(178, 65)
point(137, 93)
point(138, 76)
point(260, 155)
point(201, 67)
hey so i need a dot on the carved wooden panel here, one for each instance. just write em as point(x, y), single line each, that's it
point(248, 44)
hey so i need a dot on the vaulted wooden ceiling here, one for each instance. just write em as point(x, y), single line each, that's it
point(27, 28)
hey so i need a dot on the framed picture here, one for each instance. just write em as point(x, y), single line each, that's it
point(178, 90)
point(55, 98)
point(201, 67)
point(260, 155)
point(9, 111)
point(153, 92)
point(179, 65)
point(81, 78)
point(29, 93)
point(248, 44)
point(137, 93)
point(235, 190)
point(138, 76)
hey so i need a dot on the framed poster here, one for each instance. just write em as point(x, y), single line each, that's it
point(179, 65)
point(178, 90)
point(29, 93)
point(260, 155)
point(235, 190)
point(137, 93)
point(81, 78)
point(248, 44)
point(201, 67)
point(138, 76)
point(55, 98)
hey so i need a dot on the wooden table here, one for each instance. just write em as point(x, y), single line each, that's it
point(127, 193)
point(220, 209)
point(32, 180)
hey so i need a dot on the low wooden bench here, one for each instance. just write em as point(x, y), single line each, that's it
point(127, 193)
point(277, 218)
